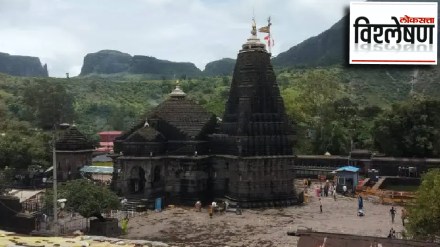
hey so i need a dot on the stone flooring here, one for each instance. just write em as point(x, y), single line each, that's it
point(264, 227)
point(180, 226)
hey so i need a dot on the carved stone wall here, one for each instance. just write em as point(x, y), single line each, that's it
point(263, 181)
point(255, 122)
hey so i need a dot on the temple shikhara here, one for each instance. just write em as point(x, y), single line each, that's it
point(183, 154)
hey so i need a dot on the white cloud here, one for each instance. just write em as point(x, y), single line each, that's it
point(62, 32)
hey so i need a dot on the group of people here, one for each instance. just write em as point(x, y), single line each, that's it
point(393, 211)
point(212, 207)
point(392, 233)
point(403, 215)
point(327, 189)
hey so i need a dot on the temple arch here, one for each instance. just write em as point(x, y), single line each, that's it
point(137, 180)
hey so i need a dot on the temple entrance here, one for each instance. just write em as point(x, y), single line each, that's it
point(137, 180)
point(156, 177)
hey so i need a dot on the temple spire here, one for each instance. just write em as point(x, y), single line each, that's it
point(253, 42)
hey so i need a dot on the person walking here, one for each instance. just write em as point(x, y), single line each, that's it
point(210, 211)
point(320, 205)
point(360, 202)
point(403, 216)
point(393, 214)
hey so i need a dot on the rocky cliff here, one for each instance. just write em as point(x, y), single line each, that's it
point(111, 62)
point(106, 62)
point(22, 65)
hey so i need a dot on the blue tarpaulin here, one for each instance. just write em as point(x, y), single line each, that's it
point(348, 169)
point(97, 169)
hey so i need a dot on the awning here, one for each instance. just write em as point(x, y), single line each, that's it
point(347, 169)
point(97, 169)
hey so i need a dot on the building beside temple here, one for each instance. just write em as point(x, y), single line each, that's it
point(182, 153)
point(106, 139)
point(73, 151)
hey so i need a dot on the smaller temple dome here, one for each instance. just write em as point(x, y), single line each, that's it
point(72, 140)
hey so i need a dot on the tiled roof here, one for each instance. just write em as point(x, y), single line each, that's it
point(183, 114)
point(102, 158)
point(145, 134)
point(73, 139)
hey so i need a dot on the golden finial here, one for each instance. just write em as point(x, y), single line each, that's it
point(177, 92)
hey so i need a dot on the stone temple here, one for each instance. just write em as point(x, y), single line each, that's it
point(183, 153)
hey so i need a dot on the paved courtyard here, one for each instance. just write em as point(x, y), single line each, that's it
point(181, 226)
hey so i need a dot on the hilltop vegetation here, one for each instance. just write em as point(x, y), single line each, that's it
point(222, 67)
point(334, 109)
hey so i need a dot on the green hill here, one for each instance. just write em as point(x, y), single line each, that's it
point(222, 67)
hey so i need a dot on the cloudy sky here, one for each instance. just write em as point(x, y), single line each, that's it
point(62, 32)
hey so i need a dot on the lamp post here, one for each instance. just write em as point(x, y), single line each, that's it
point(55, 175)
point(54, 180)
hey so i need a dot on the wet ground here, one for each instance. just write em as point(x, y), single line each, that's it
point(181, 226)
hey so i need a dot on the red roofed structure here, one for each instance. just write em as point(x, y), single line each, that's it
point(106, 139)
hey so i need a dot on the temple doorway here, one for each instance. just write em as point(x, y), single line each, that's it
point(156, 177)
point(137, 180)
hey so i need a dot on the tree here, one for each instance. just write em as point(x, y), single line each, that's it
point(6, 176)
point(314, 102)
point(86, 198)
point(22, 146)
point(424, 214)
point(49, 102)
point(409, 129)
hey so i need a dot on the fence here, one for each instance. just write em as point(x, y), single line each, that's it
point(73, 224)
point(122, 214)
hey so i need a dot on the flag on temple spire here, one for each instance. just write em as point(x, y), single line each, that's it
point(269, 40)
point(265, 29)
